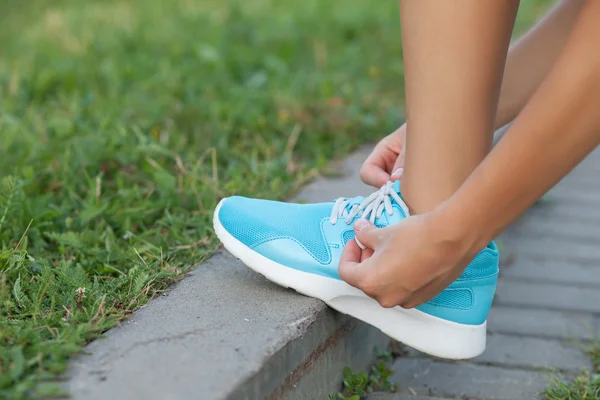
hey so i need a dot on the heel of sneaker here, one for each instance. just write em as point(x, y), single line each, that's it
point(465, 303)
point(435, 336)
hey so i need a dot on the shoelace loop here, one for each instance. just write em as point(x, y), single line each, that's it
point(372, 207)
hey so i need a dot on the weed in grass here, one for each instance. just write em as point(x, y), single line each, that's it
point(586, 386)
point(583, 387)
point(593, 353)
point(358, 385)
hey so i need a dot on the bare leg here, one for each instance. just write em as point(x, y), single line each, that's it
point(527, 64)
point(454, 55)
point(532, 56)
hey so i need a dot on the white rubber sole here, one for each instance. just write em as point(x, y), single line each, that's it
point(426, 333)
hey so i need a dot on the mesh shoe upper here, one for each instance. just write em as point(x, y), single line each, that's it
point(302, 236)
point(254, 222)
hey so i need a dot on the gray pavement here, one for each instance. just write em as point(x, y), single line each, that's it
point(547, 306)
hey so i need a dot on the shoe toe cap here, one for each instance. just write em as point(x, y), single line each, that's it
point(241, 217)
point(255, 222)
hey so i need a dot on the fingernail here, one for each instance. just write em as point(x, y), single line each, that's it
point(398, 172)
point(361, 224)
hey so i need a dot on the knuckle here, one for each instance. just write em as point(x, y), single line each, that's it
point(387, 302)
point(409, 304)
point(404, 300)
point(364, 172)
point(369, 292)
point(369, 285)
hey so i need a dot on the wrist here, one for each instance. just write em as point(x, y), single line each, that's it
point(461, 227)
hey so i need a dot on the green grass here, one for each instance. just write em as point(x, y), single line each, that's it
point(123, 122)
point(594, 354)
point(583, 387)
point(586, 386)
point(357, 385)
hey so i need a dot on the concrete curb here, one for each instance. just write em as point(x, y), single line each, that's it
point(225, 332)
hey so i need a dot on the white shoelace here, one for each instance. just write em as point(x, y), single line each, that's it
point(372, 207)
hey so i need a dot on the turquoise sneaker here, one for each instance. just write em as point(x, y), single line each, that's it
point(299, 246)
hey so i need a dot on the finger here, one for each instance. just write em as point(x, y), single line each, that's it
point(366, 254)
point(372, 173)
point(424, 294)
point(398, 167)
point(350, 268)
point(366, 235)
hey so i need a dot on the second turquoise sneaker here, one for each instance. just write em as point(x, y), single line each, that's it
point(299, 246)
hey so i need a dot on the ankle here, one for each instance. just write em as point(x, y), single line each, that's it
point(420, 198)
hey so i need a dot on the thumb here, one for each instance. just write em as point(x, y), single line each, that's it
point(365, 234)
point(398, 169)
point(351, 269)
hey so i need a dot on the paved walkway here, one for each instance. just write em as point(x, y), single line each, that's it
point(547, 304)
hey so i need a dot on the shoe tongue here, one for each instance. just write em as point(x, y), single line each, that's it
point(353, 201)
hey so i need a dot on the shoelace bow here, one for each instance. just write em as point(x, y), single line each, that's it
point(372, 207)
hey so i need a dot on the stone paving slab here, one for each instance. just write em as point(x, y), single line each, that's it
point(579, 182)
point(551, 271)
point(590, 168)
point(533, 353)
point(528, 353)
point(444, 379)
point(543, 323)
point(574, 196)
point(556, 228)
point(585, 214)
point(547, 248)
point(548, 296)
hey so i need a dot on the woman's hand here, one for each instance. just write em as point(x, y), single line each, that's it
point(386, 161)
point(410, 263)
